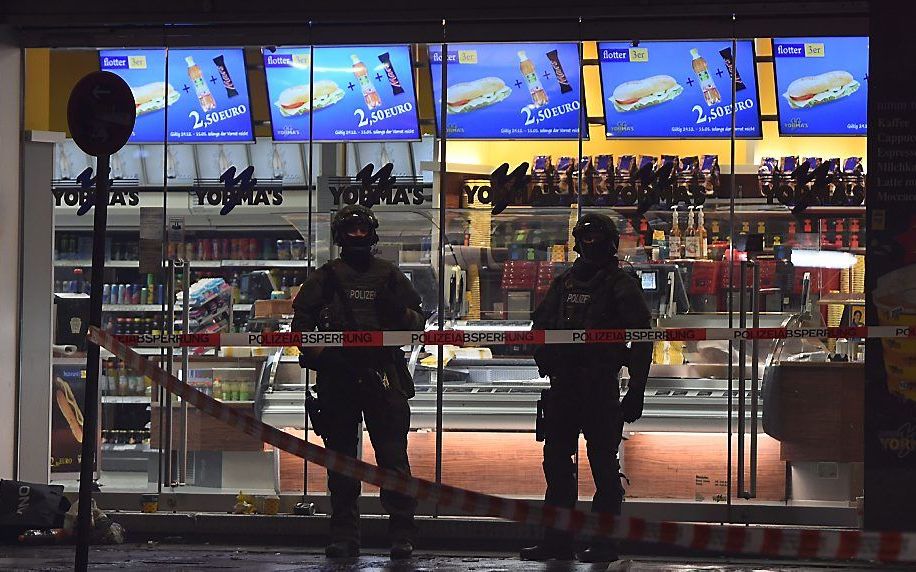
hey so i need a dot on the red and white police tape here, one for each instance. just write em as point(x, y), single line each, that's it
point(809, 543)
point(460, 337)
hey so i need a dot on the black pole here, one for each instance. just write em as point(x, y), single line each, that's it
point(91, 401)
point(731, 277)
point(440, 349)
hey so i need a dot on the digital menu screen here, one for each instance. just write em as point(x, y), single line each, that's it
point(361, 93)
point(679, 89)
point(508, 91)
point(205, 92)
point(822, 85)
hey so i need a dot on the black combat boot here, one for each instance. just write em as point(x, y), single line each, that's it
point(401, 549)
point(342, 549)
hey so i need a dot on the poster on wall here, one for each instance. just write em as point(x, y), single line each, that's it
point(361, 93)
point(68, 392)
point(204, 93)
point(821, 85)
point(508, 91)
point(679, 90)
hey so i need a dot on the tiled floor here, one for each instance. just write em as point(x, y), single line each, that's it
point(171, 557)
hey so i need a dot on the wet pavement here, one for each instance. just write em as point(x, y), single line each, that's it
point(170, 557)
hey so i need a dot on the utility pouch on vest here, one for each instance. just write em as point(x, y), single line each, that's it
point(540, 427)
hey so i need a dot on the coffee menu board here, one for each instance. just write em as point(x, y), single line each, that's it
point(361, 93)
point(822, 85)
point(205, 93)
point(508, 91)
point(679, 89)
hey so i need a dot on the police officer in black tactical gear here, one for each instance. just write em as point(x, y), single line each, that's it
point(361, 292)
point(584, 394)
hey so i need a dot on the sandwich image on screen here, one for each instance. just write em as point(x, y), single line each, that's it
point(641, 93)
point(154, 96)
point(477, 94)
point(295, 100)
point(808, 91)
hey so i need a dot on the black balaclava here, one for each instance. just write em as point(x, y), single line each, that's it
point(354, 249)
point(597, 241)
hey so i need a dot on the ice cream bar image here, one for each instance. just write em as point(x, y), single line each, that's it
point(396, 87)
point(726, 54)
point(220, 62)
point(554, 58)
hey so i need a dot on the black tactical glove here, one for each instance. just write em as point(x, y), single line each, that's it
point(545, 358)
point(632, 404)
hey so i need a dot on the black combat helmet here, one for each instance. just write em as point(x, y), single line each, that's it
point(603, 241)
point(350, 217)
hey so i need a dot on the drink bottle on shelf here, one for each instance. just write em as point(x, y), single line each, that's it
point(702, 236)
point(675, 242)
point(691, 242)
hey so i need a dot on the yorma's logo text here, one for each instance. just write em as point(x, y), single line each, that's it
point(370, 188)
point(84, 195)
point(238, 190)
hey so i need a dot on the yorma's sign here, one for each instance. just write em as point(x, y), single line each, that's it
point(231, 190)
point(374, 189)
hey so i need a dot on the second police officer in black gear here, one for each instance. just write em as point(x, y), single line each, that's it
point(584, 394)
point(361, 292)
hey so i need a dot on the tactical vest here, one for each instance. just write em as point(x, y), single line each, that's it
point(350, 296)
point(589, 304)
point(350, 303)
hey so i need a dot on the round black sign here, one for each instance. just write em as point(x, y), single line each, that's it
point(101, 113)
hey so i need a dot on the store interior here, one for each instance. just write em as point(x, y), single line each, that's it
point(742, 259)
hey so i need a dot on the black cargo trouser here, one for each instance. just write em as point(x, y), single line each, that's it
point(591, 406)
point(387, 415)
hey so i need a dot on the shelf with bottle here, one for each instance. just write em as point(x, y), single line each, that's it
point(712, 206)
point(86, 262)
point(125, 439)
point(153, 308)
point(195, 264)
point(131, 308)
point(228, 390)
point(126, 399)
point(676, 238)
point(75, 249)
point(118, 381)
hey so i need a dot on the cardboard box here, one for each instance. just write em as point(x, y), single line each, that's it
point(272, 308)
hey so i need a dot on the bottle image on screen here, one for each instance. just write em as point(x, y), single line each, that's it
point(538, 95)
point(362, 76)
point(710, 91)
point(207, 103)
